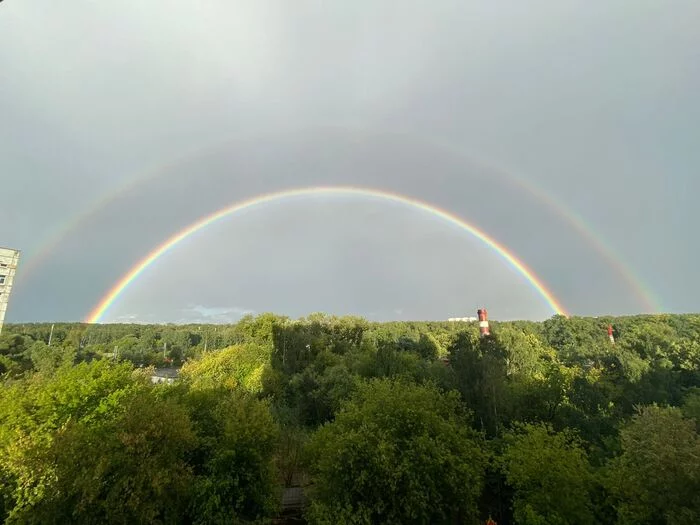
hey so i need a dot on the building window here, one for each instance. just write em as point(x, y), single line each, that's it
point(3, 265)
point(2, 279)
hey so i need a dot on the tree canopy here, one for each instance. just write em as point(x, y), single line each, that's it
point(402, 422)
point(396, 453)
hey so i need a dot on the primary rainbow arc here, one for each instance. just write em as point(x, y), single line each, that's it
point(133, 274)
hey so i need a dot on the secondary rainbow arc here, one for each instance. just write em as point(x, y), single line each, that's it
point(577, 222)
point(98, 312)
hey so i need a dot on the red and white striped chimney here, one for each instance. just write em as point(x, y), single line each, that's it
point(610, 334)
point(483, 322)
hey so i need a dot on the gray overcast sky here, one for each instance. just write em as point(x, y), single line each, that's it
point(594, 102)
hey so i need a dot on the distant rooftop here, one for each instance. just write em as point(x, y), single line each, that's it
point(166, 372)
point(165, 375)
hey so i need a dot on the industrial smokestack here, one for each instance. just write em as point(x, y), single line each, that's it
point(610, 334)
point(483, 322)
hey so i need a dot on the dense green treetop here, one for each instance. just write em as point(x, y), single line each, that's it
point(411, 422)
point(396, 453)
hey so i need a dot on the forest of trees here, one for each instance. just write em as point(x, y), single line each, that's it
point(403, 422)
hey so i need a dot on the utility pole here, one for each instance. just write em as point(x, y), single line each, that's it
point(50, 335)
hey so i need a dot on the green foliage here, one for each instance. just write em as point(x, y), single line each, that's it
point(550, 475)
point(46, 359)
point(13, 350)
point(319, 390)
point(480, 370)
point(240, 366)
point(233, 462)
point(10, 367)
point(129, 469)
point(34, 413)
point(97, 443)
point(13, 345)
point(290, 453)
point(691, 405)
point(396, 453)
point(656, 479)
point(85, 438)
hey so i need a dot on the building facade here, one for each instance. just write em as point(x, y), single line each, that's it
point(8, 266)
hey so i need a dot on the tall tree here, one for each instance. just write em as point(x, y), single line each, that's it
point(656, 479)
point(233, 462)
point(551, 476)
point(397, 453)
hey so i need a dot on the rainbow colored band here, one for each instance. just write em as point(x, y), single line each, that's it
point(650, 303)
point(135, 272)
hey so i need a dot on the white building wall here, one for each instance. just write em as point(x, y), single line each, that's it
point(8, 266)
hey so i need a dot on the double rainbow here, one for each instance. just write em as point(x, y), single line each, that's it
point(645, 296)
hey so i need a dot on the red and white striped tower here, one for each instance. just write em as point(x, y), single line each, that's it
point(483, 322)
point(610, 334)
